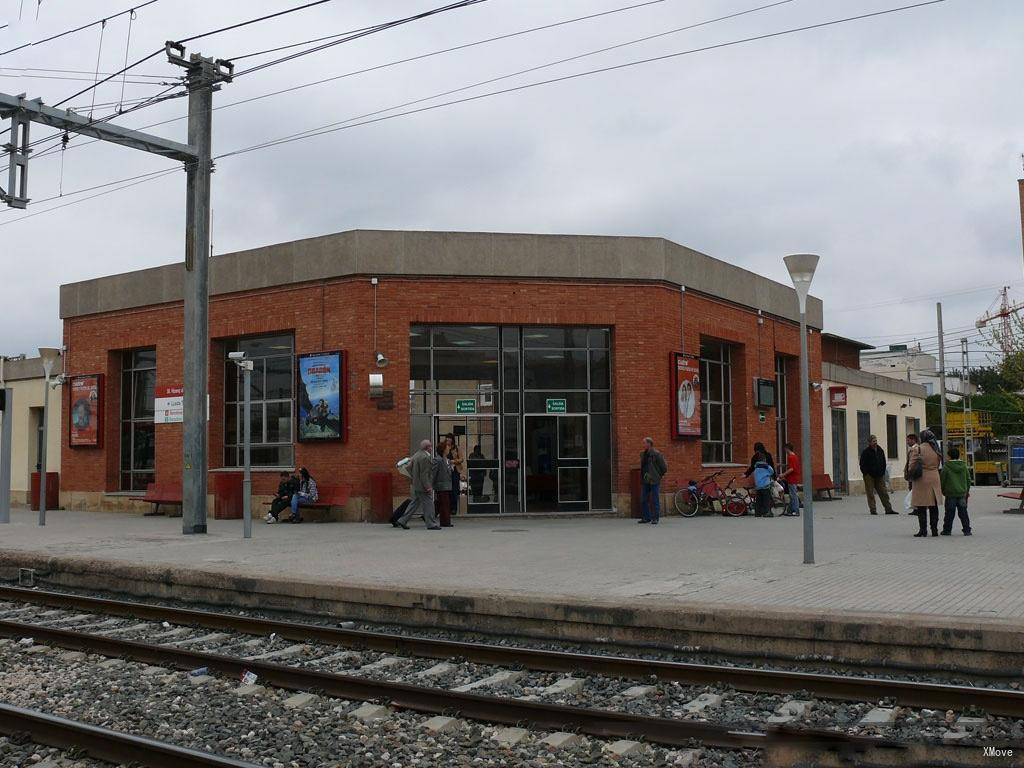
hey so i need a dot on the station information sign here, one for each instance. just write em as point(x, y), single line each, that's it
point(465, 406)
point(555, 405)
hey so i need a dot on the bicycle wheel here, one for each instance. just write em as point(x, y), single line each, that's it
point(735, 505)
point(685, 503)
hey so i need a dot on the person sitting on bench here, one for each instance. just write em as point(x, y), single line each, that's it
point(287, 488)
point(305, 495)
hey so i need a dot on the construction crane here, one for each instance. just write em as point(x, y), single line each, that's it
point(999, 319)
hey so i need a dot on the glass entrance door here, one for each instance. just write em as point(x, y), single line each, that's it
point(557, 463)
point(477, 437)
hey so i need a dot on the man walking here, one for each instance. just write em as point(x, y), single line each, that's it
point(421, 470)
point(652, 469)
point(873, 467)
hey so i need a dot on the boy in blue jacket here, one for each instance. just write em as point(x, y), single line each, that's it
point(763, 477)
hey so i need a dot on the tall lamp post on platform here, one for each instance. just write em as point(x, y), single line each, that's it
point(801, 268)
point(238, 358)
point(50, 356)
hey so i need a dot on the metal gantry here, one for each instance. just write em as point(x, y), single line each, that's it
point(202, 77)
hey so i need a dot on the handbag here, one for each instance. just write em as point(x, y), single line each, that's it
point(914, 470)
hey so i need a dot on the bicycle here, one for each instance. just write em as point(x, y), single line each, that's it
point(703, 496)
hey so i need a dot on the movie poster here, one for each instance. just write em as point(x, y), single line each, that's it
point(86, 411)
point(686, 394)
point(320, 397)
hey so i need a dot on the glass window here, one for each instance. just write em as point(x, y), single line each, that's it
point(465, 336)
point(555, 338)
point(510, 337)
point(465, 369)
point(512, 463)
point(781, 406)
point(272, 402)
point(138, 435)
point(892, 436)
point(510, 370)
point(419, 336)
point(600, 375)
point(601, 462)
point(600, 402)
point(419, 368)
point(716, 403)
point(555, 369)
point(599, 338)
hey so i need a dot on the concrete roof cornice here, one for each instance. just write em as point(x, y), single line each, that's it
point(445, 254)
point(840, 374)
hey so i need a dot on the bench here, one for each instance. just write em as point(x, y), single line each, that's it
point(160, 493)
point(1016, 496)
point(328, 497)
point(822, 484)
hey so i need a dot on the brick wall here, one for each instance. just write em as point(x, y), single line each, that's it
point(650, 321)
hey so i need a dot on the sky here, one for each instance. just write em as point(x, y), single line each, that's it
point(891, 146)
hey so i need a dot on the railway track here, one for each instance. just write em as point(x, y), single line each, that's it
point(780, 745)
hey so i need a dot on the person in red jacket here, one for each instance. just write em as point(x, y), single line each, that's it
point(791, 477)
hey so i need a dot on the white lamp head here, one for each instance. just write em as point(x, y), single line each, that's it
point(801, 268)
point(50, 355)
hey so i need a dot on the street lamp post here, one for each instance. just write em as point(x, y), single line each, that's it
point(801, 268)
point(50, 356)
point(246, 367)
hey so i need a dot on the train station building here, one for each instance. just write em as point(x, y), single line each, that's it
point(549, 357)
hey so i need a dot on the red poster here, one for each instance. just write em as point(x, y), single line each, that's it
point(86, 411)
point(686, 394)
point(837, 397)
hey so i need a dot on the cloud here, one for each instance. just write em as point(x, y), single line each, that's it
point(889, 146)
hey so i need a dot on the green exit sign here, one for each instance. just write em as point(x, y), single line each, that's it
point(465, 406)
point(556, 405)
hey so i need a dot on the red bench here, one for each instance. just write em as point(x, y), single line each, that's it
point(160, 493)
point(822, 484)
point(1016, 496)
point(328, 497)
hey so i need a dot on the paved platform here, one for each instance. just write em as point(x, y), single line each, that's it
point(869, 565)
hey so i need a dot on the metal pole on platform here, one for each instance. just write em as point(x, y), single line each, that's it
point(247, 476)
point(6, 430)
point(801, 268)
point(50, 356)
point(942, 370)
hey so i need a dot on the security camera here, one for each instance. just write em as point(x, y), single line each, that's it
point(236, 356)
point(381, 360)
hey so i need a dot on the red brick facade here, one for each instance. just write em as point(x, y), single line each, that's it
point(649, 321)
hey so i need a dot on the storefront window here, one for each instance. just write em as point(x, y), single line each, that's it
point(781, 406)
point(536, 384)
point(272, 402)
point(716, 403)
point(138, 435)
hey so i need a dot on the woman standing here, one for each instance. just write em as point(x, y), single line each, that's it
point(923, 461)
point(458, 464)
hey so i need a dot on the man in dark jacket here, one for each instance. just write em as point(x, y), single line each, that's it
point(873, 466)
point(652, 469)
point(288, 486)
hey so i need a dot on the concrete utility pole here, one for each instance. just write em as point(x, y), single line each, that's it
point(942, 371)
point(7, 413)
point(203, 77)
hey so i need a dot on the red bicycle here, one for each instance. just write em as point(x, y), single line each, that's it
point(709, 497)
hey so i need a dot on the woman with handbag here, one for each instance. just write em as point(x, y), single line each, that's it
point(922, 472)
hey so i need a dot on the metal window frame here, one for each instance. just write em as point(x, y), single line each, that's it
point(129, 356)
point(238, 404)
point(723, 448)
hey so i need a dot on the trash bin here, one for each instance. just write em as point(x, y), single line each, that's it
point(635, 493)
point(52, 490)
point(381, 497)
point(227, 495)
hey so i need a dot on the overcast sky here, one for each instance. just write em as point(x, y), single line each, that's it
point(890, 146)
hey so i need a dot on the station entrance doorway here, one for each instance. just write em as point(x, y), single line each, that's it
point(477, 438)
point(557, 462)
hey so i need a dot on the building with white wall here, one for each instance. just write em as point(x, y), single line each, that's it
point(910, 363)
point(860, 403)
point(24, 379)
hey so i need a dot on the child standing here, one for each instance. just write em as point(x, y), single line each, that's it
point(956, 487)
point(763, 477)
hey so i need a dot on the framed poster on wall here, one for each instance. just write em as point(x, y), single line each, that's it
point(685, 395)
point(320, 397)
point(85, 409)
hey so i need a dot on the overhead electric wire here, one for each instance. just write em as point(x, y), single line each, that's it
point(346, 124)
point(909, 299)
point(384, 26)
point(105, 19)
point(456, 47)
point(241, 24)
point(331, 129)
